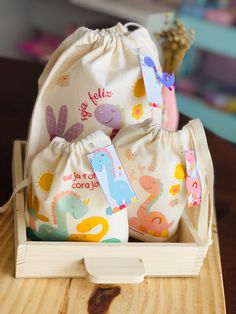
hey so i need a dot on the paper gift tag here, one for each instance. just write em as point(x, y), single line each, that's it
point(152, 84)
point(112, 178)
point(193, 181)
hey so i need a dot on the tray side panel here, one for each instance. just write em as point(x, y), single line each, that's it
point(66, 260)
point(53, 259)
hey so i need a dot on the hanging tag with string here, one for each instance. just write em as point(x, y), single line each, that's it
point(153, 86)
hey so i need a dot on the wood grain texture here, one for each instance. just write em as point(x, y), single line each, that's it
point(107, 263)
point(203, 294)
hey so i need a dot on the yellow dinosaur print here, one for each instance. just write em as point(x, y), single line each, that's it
point(87, 225)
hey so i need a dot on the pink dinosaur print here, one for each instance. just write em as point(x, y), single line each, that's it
point(153, 223)
point(191, 159)
point(193, 183)
point(58, 128)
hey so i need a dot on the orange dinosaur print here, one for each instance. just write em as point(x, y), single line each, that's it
point(153, 223)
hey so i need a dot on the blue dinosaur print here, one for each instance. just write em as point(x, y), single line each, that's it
point(119, 190)
point(65, 203)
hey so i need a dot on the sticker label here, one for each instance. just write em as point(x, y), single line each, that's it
point(152, 84)
point(193, 183)
point(112, 178)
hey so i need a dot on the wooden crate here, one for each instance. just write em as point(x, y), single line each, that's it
point(104, 262)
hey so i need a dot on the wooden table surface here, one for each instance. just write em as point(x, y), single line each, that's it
point(203, 294)
point(18, 89)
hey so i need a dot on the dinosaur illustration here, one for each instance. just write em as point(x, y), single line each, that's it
point(58, 129)
point(120, 191)
point(89, 224)
point(151, 222)
point(34, 209)
point(193, 183)
point(63, 204)
point(110, 116)
point(168, 80)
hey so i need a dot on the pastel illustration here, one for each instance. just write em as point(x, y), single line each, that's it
point(34, 209)
point(111, 240)
point(194, 200)
point(155, 105)
point(152, 166)
point(180, 172)
point(166, 79)
point(131, 175)
point(147, 221)
point(86, 226)
point(55, 128)
point(149, 62)
point(137, 111)
point(174, 202)
point(110, 211)
point(65, 203)
point(119, 189)
point(193, 185)
point(63, 80)
point(109, 115)
point(191, 163)
point(130, 155)
point(174, 189)
point(193, 181)
point(190, 157)
point(139, 89)
point(148, 166)
point(45, 181)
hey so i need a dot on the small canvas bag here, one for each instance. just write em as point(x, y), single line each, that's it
point(65, 200)
point(94, 81)
point(154, 159)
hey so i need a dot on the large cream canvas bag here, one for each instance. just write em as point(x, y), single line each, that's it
point(65, 200)
point(154, 159)
point(94, 81)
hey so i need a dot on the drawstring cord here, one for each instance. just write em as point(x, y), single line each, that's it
point(18, 188)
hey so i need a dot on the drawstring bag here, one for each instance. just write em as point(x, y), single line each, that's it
point(94, 81)
point(168, 171)
point(65, 200)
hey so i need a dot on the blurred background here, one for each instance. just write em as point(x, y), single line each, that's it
point(206, 84)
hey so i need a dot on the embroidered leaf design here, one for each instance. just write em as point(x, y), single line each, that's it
point(57, 129)
point(73, 132)
point(62, 119)
point(51, 122)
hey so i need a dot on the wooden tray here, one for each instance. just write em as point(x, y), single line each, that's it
point(103, 262)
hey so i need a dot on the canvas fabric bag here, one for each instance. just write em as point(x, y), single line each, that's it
point(65, 200)
point(93, 81)
point(154, 159)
